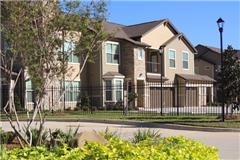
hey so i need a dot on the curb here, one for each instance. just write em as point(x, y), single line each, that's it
point(142, 124)
point(149, 124)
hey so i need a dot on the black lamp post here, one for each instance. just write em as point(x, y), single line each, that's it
point(161, 52)
point(220, 23)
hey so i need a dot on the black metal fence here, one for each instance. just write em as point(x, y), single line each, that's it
point(145, 98)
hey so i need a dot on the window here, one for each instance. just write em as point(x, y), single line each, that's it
point(108, 90)
point(112, 52)
point(172, 58)
point(29, 91)
point(185, 60)
point(140, 53)
point(72, 92)
point(118, 84)
point(114, 90)
point(153, 64)
point(69, 51)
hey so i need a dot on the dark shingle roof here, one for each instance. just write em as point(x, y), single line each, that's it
point(137, 30)
point(196, 77)
point(117, 31)
point(131, 32)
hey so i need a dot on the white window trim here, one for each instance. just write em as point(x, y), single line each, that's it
point(74, 62)
point(115, 97)
point(187, 61)
point(29, 90)
point(138, 57)
point(119, 54)
point(113, 82)
point(104, 90)
point(71, 90)
point(71, 55)
point(174, 59)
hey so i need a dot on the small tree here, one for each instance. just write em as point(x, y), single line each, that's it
point(34, 31)
point(230, 74)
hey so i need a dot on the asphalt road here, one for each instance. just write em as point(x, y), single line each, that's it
point(228, 143)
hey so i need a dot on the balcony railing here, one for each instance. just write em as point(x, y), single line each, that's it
point(153, 67)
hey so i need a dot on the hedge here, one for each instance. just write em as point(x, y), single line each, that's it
point(170, 148)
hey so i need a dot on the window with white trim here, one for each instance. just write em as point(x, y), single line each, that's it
point(140, 53)
point(108, 90)
point(69, 48)
point(112, 52)
point(185, 60)
point(72, 90)
point(172, 58)
point(29, 91)
point(114, 90)
point(118, 90)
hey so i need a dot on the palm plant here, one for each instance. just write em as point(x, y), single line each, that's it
point(142, 135)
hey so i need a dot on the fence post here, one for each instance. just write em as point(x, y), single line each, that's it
point(177, 97)
point(125, 102)
point(52, 99)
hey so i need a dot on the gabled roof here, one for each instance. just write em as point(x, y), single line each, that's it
point(117, 32)
point(204, 49)
point(180, 35)
point(138, 30)
point(209, 54)
point(131, 32)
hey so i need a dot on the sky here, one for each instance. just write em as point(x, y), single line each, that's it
point(196, 19)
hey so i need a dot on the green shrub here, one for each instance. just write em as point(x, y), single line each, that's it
point(107, 134)
point(142, 135)
point(6, 137)
point(171, 148)
point(84, 103)
point(35, 136)
point(59, 138)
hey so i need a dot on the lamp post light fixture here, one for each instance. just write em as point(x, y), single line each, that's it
point(220, 23)
point(161, 53)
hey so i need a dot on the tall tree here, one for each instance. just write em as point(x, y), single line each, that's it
point(34, 31)
point(230, 74)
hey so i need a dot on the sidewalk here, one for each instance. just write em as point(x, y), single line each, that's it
point(228, 143)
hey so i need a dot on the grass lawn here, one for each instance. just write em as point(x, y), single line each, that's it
point(192, 120)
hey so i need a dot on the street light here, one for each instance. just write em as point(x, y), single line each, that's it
point(220, 23)
point(161, 52)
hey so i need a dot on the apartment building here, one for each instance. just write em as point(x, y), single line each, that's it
point(131, 58)
point(130, 61)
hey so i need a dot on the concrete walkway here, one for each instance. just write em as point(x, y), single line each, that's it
point(228, 143)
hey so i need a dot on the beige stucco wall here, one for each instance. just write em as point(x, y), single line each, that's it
point(157, 36)
point(179, 46)
point(72, 72)
point(204, 68)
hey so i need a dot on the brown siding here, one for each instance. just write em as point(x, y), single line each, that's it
point(191, 97)
point(155, 97)
point(204, 68)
